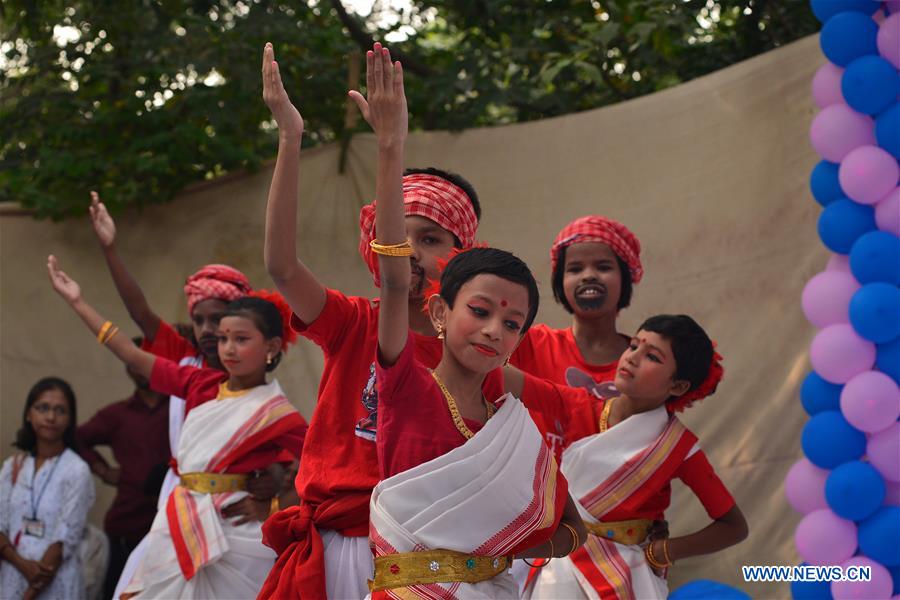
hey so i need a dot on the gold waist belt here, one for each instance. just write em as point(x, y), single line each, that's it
point(214, 483)
point(623, 532)
point(434, 566)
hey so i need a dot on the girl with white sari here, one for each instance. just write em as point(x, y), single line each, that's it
point(235, 423)
point(468, 482)
point(621, 473)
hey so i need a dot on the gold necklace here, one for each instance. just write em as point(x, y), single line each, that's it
point(454, 410)
point(604, 414)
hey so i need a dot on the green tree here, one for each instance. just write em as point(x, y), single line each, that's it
point(141, 98)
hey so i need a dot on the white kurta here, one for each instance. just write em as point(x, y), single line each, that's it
point(63, 508)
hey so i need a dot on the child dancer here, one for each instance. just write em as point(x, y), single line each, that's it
point(466, 484)
point(235, 423)
point(323, 543)
point(595, 263)
point(621, 474)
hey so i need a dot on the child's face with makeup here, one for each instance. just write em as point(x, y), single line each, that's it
point(485, 324)
point(646, 370)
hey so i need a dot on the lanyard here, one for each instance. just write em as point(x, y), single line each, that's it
point(35, 504)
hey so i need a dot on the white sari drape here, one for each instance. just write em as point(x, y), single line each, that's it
point(482, 498)
point(587, 464)
point(234, 560)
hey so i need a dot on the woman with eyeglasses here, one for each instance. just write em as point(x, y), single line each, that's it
point(45, 494)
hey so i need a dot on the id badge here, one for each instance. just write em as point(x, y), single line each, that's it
point(34, 528)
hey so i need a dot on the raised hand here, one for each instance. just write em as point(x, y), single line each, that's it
point(384, 106)
point(104, 226)
point(290, 123)
point(62, 283)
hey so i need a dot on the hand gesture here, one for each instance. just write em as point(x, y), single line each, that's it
point(62, 283)
point(247, 509)
point(290, 123)
point(384, 107)
point(262, 485)
point(104, 226)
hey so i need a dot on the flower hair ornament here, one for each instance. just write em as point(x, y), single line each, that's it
point(288, 334)
point(706, 388)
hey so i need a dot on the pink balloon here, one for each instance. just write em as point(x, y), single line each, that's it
point(887, 212)
point(838, 129)
point(871, 401)
point(804, 487)
point(838, 262)
point(826, 85)
point(879, 586)
point(838, 354)
point(889, 38)
point(883, 450)
point(823, 538)
point(868, 174)
point(826, 298)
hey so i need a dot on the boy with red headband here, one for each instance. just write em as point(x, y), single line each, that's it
point(323, 544)
point(595, 262)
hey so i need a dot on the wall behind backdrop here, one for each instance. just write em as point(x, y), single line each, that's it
point(711, 176)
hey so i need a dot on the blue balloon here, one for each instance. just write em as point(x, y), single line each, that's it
point(847, 36)
point(870, 84)
point(817, 395)
point(878, 536)
point(875, 256)
point(854, 490)
point(828, 440)
point(810, 590)
point(843, 222)
point(875, 312)
point(823, 181)
point(887, 130)
point(825, 9)
point(703, 589)
point(888, 359)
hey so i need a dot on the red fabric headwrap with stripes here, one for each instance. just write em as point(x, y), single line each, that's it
point(215, 281)
point(595, 228)
point(427, 196)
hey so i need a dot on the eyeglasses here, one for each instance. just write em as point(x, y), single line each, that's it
point(59, 411)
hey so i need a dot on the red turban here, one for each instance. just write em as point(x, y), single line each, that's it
point(427, 196)
point(600, 229)
point(215, 281)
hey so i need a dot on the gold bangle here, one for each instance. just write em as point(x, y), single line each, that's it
point(648, 553)
point(102, 333)
point(274, 505)
point(403, 249)
point(575, 538)
point(669, 560)
point(110, 335)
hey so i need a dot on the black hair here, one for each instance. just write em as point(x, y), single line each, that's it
point(625, 290)
point(691, 346)
point(479, 261)
point(264, 315)
point(26, 439)
point(454, 178)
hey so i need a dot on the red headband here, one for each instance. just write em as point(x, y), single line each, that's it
point(706, 388)
point(215, 281)
point(427, 196)
point(594, 228)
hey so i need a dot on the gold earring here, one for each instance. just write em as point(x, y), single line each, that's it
point(440, 330)
point(268, 359)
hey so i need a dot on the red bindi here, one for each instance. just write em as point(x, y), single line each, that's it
point(504, 303)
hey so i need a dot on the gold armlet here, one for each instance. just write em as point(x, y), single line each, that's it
point(403, 249)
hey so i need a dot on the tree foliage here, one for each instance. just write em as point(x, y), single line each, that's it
point(141, 98)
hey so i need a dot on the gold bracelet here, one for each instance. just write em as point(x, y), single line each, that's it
point(274, 505)
point(102, 333)
point(110, 335)
point(666, 552)
point(648, 553)
point(403, 249)
point(575, 538)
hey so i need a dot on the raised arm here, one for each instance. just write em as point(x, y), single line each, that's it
point(299, 286)
point(120, 345)
point(129, 290)
point(385, 110)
